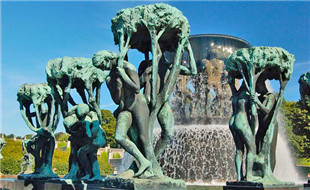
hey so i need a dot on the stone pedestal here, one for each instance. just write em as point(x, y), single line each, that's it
point(14, 184)
point(110, 182)
point(259, 186)
point(166, 183)
point(67, 184)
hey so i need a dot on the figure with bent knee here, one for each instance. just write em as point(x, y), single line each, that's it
point(86, 138)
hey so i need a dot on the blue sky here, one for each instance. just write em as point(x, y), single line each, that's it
point(34, 32)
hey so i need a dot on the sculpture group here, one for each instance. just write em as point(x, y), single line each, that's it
point(142, 96)
point(255, 108)
point(158, 30)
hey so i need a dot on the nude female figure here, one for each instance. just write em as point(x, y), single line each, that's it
point(241, 130)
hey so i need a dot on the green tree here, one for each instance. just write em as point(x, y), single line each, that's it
point(108, 125)
point(11, 136)
point(297, 122)
point(61, 136)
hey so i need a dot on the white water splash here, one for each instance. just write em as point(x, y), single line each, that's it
point(204, 155)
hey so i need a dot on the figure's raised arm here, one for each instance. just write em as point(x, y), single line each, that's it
point(130, 77)
point(192, 70)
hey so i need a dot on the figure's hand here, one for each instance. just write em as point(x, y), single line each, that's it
point(254, 98)
point(120, 71)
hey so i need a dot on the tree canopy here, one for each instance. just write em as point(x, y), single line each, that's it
point(273, 60)
point(142, 22)
point(108, 126)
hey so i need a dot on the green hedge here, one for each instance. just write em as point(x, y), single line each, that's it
point(61, 161)
point(12, 154)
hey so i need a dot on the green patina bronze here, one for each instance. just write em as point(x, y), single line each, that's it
point(28, 156)
point(158, 29)
point(254, 120)
point(304, 89)
point(83, 120)
point(86, 138)
point(75, 73)
point(43, 121)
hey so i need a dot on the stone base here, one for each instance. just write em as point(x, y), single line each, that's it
point(70, 184)
point(51, 184)
point(13, 183)
point(245, 185)
point(34, 177)
point(108, 183)
point(166, 183)
point(204, 187)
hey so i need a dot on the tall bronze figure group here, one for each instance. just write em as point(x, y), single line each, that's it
point(255, 108)
point(160, 32)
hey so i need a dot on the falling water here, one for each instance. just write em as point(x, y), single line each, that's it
point(205, 154)
point(285, 169)
point(199, 153)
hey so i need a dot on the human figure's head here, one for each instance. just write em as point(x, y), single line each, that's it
point(261, 85)
point(104, 59)
point(81, 111)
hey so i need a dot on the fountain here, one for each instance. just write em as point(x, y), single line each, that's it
point(205, 98)
point(202, 108)
point(202, 146)
point(203, 103)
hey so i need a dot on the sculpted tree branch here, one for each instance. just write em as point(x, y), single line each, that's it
point(47, 112)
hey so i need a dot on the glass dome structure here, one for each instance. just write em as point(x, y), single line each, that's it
point(205, 98)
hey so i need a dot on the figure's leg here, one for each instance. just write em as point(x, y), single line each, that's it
point(249, 141)
point(37, 153)
point(95, 166)
point(82, 154)
point(273, 148)
point(166, 121)
point(267, 154)
point(50, 152)
point(73, 163)
point(124, 121)
point(238, 156)
point(47, 156)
